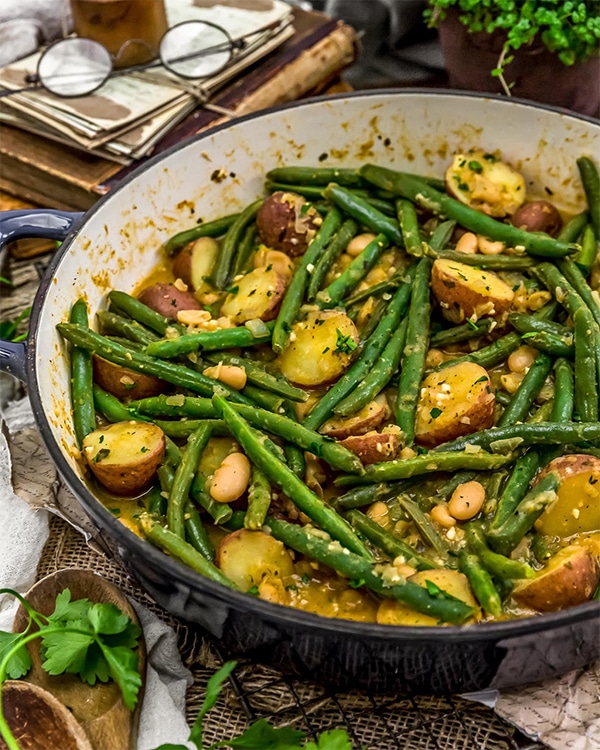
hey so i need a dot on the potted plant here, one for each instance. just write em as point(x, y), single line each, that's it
point(545, 50)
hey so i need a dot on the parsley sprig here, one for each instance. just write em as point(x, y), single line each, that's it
point(96, 641)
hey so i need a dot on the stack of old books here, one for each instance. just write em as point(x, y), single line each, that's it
point(65, 153)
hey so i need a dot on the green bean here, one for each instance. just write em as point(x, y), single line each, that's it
point(550, 344)
point(591, 186)
point(358, 497)
point(574, 275)
point(353, 274)
point(543, 413)
point(329, 450)
point(409, 224)
point(357, 568)
point(522, 435)
point(572, 230)
point(219, 512)
point(245, 250)
point(503, 398)
point(527, 391)
point(321, 176)
point(543, 546)
point(317, 510)
point(531, 324)
point(441, 204)
point(130, 329)
point(224, 338)
point(175, 374)
point(259, 500)
point(294, 455)
point(586, 381)
point(387, 542)
point(504, 538)
point(264, 399)
point(363, 213)
point(183, 428)
point(376, 290)
point(559, 287)
point(487, 262)
point(378, 377)
point(442, 234)
point(214, 228)
point(196, 533)
point(464, 332)
point(222, 270)
point(373, 347)
point(260, 377)
point(516, 488)
point(294, 295)
point(426, 528)
point(166, 476)
point(184, 476)
point(500, 566)
point(491, 355)
point(589, 250)
point(110, 406)
point(82, 378)
point(481, 583)
point(181, 550)
point(413, 360)
point(156, 502)
point(141, 313)
point(334, 249)
point(426, 464)
point(564, 395)
point(384, 206)
point(310, 192)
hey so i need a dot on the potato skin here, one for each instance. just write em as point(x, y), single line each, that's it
point(259, 295)
point(468, 292)
point(251, 557)
point(570, 578)
point(195, 261)
point(124, 456)
point(455, 401)
point(577, 507)
point(284, 223)
point(124, 383)
point(373, 447)
point(538, 216)
point(369, 417)
point(168, 300)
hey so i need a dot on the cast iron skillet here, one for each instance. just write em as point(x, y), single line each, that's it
point(340, 652)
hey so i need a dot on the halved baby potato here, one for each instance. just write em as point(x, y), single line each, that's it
point(368, 418)
point(455, 401)
point(279, 261)
point(123, 382)
point(571, 577)
point(469, 292)
point(168, 300)
point(319, 349)
point(124, 456)
point(483, 182)
point(577, 507)
point(456, 584)
point(257, 296)
point(373, 446)
point(250, 557)
point(195, 262)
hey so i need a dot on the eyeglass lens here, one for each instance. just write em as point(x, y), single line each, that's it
point(195, 49)
point(74, 67)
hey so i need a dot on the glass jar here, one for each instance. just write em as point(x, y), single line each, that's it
point(130, 30)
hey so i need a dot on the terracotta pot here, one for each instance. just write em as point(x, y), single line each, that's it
point(536, 73)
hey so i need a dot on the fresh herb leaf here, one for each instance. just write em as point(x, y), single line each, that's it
point(213, 689)
point(262, 736)
point(334, 739)
point(20, 662)
point(344, 344)
point(476, 167)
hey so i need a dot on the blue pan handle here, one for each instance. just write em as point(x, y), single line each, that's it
point(21, 224)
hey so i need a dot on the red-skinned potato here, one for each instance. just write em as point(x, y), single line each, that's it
point(280, 262)
point(124, 456)
point(373, 447)
point(249, 557)
point(455, 401)
point(570, 577)
point(538, 216)
point(469, 292)
point(168, 300)
point(368, 418)
point(287, 222)
point(195, 262)
point(257, 295)
point(124, 383)
point(577, 507)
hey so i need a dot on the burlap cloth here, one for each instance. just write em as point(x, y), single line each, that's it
point(375, 722)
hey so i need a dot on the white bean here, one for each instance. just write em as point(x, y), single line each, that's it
point(231, 479)
point(357, 244)
point(522, 359)
point(439, 514)
point(467, 500)
point(467, 243)
point(489, 247)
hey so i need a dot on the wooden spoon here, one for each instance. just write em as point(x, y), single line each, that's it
point(37, 719)
point(99, 708)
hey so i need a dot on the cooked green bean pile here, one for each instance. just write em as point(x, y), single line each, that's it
point(370, 394)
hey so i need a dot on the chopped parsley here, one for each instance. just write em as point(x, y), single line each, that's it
point(344, 344)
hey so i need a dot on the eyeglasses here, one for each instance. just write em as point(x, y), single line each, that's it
point(193, 50)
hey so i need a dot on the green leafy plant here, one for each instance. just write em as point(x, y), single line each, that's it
point(570, 28)
point(8, 328)
point(98, 642)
